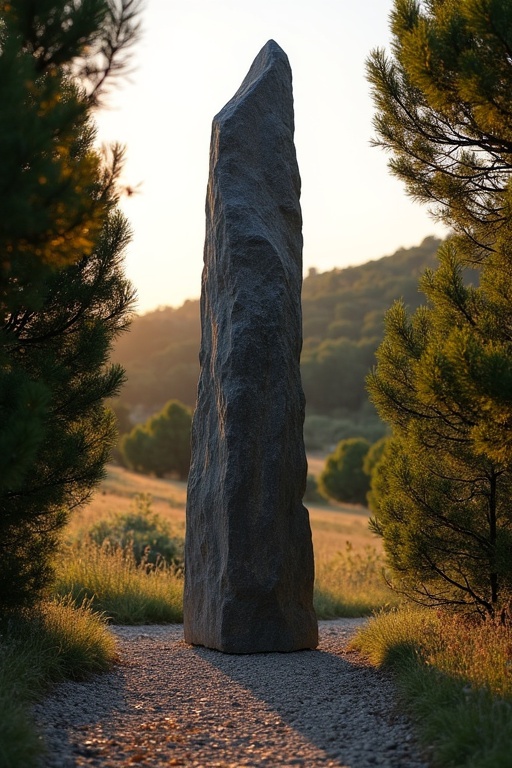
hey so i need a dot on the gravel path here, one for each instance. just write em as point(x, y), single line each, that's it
point(168, 703)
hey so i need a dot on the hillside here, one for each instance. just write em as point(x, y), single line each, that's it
point(343, 312)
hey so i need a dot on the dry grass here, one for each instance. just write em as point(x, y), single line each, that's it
point(115, 496)
point(332, 524)
point(454, 676)
point(348, 558)
point(55, 642)
point(111, 582)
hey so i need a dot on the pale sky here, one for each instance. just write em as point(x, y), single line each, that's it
point(190, 61)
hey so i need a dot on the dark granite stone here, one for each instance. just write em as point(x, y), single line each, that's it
point(249, 556)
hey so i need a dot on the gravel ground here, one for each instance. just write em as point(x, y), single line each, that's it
point(168, 703)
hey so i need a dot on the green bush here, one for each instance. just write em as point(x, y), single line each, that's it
point(143, 532)
point(374, 456)
point(162, 444)
point(343, 477)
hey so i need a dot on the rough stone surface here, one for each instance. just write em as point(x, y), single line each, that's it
point(249, 556)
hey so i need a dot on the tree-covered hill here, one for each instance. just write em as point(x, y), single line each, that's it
point(160, 356)
point(343, 313)
point(349, 303)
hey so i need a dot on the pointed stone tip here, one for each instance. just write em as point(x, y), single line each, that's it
point(270, 57)
point(272, 45)
point(270, 50)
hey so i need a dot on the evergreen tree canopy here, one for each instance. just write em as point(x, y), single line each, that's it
point(440, 499)
point(63, 294)
point(55, 59)
point(443, 111)
point(443, 379)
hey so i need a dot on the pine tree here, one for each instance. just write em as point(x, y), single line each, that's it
point(440, 502)
point(444, 375)
point(63, 294)
point(443, 111)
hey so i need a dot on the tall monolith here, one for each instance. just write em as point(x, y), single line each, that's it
point(248, 554)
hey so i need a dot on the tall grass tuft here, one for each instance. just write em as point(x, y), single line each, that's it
point(352, 584)
point(454, 676)
point(53, 643)
point(112, 581)
point(79, 632)
point(129, 593)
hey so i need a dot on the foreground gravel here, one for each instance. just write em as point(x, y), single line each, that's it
point(168, 703)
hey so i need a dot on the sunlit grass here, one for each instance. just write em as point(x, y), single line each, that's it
point(115, 497)
point(351, 584)
point(53, 643)
point(454, 676)
point(113, 583)
point(348, 557)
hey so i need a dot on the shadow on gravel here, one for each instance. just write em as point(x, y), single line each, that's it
point(72, 719)
point(169, 703)
point(342, 707)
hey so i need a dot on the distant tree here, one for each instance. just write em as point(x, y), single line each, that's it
point(63, 294)
point(343, 477)
point(124, 423)
point(161, 445)
point(134, 448)
point(333, 374)
point(443, 110)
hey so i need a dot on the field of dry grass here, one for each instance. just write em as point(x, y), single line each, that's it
point(348, 558)
point(332, 524)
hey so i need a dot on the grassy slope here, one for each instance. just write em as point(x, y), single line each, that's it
point(332, 524)
point(348, 558)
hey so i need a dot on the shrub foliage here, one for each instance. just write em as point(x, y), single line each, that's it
point(161, 445)
point(343, 477)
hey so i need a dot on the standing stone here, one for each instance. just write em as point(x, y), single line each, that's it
point(248, 555)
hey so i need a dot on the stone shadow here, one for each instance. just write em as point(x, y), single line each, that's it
point(345, 708)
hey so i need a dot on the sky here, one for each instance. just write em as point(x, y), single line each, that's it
point(191, 58)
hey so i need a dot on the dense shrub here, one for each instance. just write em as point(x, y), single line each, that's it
point(142, 531)
point(343, 477)
point(161, 445)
